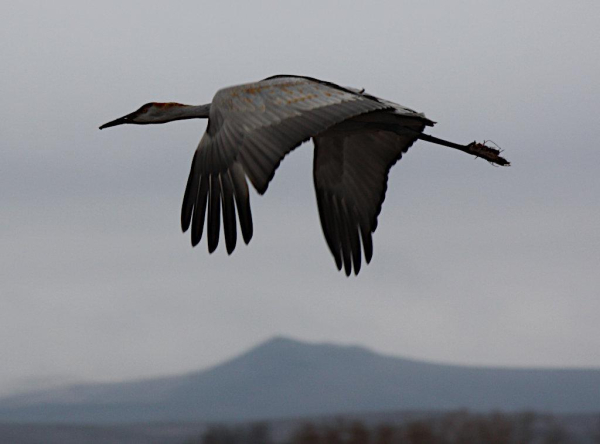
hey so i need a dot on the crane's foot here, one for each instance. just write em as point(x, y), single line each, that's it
point(488, 153)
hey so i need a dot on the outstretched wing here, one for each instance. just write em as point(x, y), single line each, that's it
point(251, 128)
point(351, 166)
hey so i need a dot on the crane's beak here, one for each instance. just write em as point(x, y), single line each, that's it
point(119, 121)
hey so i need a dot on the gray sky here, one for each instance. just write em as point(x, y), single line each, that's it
point(473, 264)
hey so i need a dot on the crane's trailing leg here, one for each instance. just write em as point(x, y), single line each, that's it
point(488, 153)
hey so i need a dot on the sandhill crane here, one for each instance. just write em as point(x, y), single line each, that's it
point(251, 127)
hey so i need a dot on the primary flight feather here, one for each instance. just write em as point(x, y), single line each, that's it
point(251, 127)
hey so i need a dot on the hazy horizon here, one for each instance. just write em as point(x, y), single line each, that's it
point(472, 264)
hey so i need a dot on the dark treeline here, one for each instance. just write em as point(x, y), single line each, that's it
point(257, 433)
point(452, 428)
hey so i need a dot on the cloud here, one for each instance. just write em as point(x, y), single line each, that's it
point(473, 264)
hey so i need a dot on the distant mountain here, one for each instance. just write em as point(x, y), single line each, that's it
point(287, 378)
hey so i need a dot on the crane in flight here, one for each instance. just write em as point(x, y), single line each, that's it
point(251, 128)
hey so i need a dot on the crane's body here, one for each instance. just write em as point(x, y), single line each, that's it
point(357, 138)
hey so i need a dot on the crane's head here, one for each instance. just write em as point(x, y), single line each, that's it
point(153, 112)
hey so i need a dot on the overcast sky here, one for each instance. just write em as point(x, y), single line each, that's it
point(473, 264)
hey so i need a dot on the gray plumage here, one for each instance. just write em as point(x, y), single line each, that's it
point(251, 128)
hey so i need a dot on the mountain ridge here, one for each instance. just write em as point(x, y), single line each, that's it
point(283, 377)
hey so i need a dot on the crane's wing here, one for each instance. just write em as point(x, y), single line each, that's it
point(351, 166)
point(251, 128)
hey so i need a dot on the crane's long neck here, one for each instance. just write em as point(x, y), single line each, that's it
point(176, 111)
